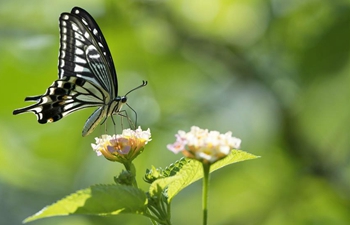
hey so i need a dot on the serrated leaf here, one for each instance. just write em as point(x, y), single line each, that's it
point(97, 200)
point(157, 173)
point(193, 171)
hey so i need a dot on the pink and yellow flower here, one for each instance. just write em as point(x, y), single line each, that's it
point(203, 145)
point(122, 147)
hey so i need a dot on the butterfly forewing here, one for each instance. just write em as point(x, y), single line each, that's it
point(81, 53)
point(97, 33)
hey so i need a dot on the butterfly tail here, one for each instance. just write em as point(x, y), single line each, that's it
point(52, 112)
point(33, 98)
point(28, 108)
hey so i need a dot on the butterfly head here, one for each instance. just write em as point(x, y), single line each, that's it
point(117, 105)
point(122, 99)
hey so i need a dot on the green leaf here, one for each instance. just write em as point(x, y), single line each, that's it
point(193, 171)
point(157, 173)
point(99, 200)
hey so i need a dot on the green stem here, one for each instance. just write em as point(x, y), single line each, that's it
point(169, 213)
point(129, 166)
point(206, 168)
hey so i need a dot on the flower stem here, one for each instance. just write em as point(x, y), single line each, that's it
point(206, 168)
point(131, 168)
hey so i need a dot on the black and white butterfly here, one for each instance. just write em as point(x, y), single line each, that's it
point(86, 75)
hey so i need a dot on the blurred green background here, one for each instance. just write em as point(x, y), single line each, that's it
point(275, 73)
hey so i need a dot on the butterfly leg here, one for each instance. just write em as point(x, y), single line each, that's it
point(124, 114)
point(134, 124)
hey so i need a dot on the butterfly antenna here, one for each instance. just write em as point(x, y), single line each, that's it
point(144, 83)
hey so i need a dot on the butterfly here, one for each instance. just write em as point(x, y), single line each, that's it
point(86, 75)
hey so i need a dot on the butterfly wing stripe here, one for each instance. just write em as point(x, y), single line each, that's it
point(93, 58)
point(71, 85)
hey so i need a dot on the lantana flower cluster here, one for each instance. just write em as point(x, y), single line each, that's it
point(203, 145)
point(122, 147)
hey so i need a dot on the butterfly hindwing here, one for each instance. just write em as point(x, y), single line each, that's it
point(63, 97)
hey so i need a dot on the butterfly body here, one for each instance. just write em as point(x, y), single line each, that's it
point(86, 77)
